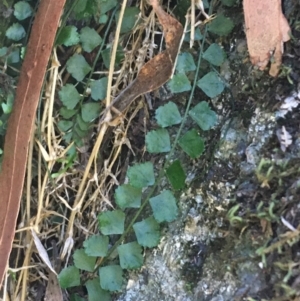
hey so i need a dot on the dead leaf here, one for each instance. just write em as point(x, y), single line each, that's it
point(20, 123)
point(68, 246)
point(266, 227)
point(53, 290)
point(159, 69)
point(266, 30)
point(42, 251)
point(284, 138)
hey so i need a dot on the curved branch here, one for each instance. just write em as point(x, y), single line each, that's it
point(21, 121)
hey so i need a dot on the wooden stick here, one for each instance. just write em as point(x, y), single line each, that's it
point(21, 121)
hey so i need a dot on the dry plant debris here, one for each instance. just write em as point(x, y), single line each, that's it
point(53, 196)
point(266, 31)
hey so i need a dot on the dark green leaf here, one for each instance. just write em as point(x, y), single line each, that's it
point(72, 154)
point(111, 278)
point(147, 232)
point(14, 57)
point(185, 63)
point(211, 84)
point(228, 2)
point(22, 10)
point(15, 32)
point(103, 19)
point(6, 108)
point(128, 196)
point(111, 222)
point(66, 113)
point(158, 141)
point(69, 96)
point(176, 175)
point(203, 115)
point(198, 35)
point(65, 125)
point(129, 19)
point(84, 126)
point(79, 132)
point(130, 255)
point(106, 5)
point(78, 67)
point(106, 54)
point(221, 25)
point(3, 51)
point(141, 175)
point(83, 261)
point(205, 4)
point(179, 83)
point(181, 8)
point(84, 9)
point(67, 137)
point(164, 207)
point(75, 297)
point(69, 277)
point(95, 291)
point(214, 54)
point(68, 36)
point(99, 88)
point(90, 111)
point(80, 6)
point(192, 144)
point(89, 39)
point(96, 245)
point(168, 115)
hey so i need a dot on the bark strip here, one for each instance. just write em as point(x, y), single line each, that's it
point(159, 69)
point(266, 31)
point(22, 119)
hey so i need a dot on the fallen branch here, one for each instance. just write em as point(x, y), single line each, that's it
point(21, 121)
